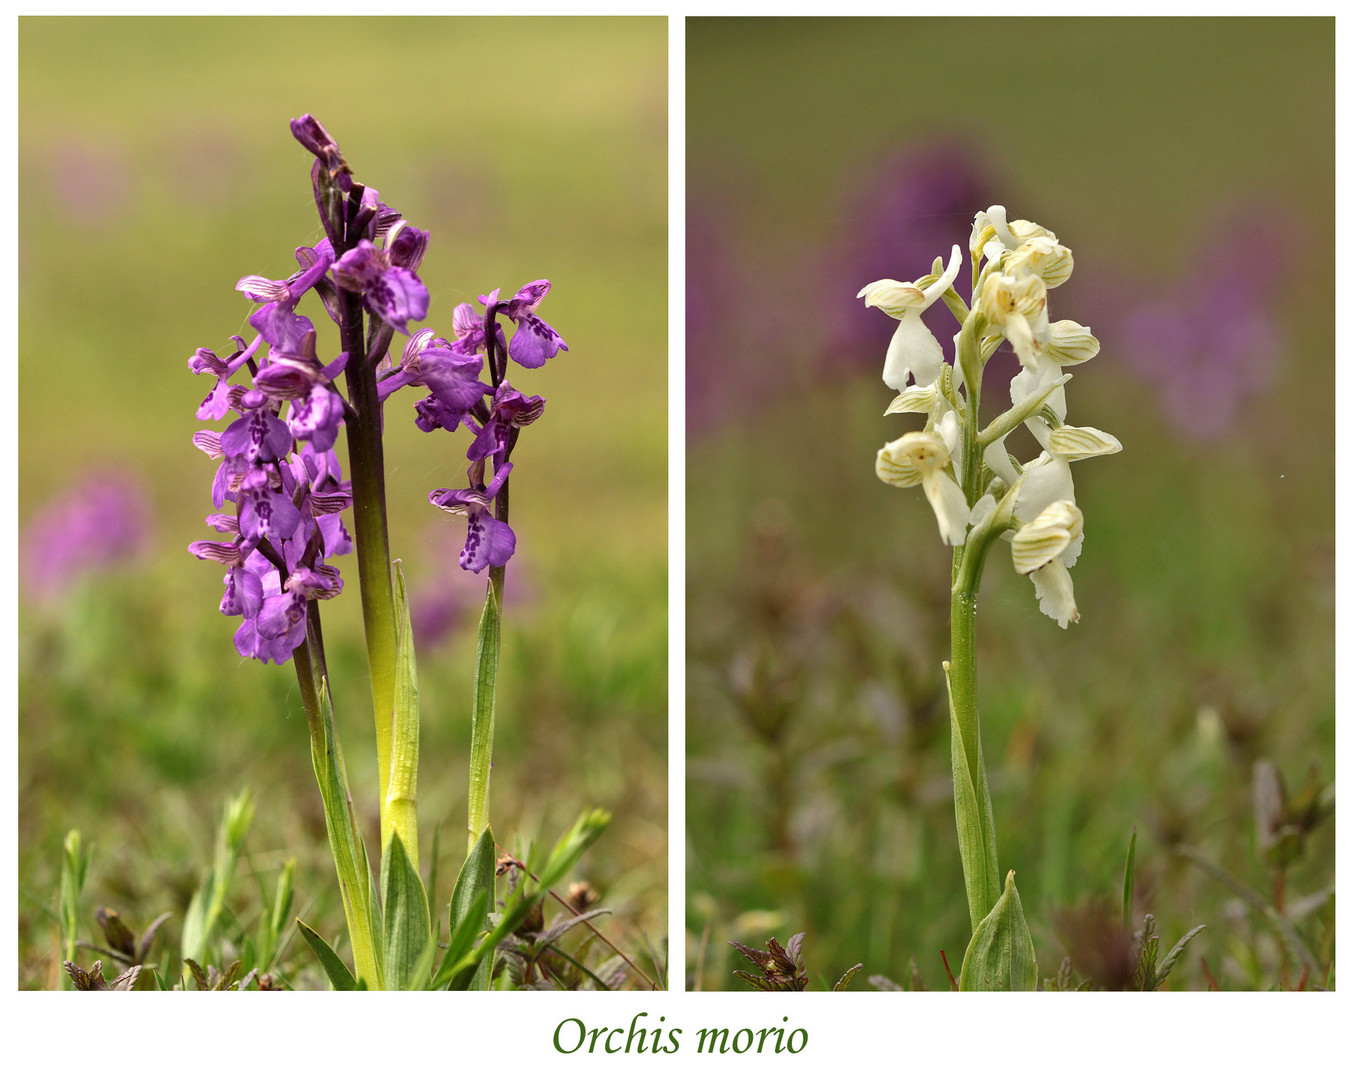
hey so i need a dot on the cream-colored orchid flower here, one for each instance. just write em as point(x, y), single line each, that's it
point(1016, 305)
point(1032, 247)
point(913, 349)
point(1043, 550)
point(919, 457)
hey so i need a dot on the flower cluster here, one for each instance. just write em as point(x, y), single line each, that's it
point(970, 479)
point(278, 469)
point(494, 412)
point(284, 485)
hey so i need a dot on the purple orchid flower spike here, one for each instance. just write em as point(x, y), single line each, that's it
point(488, 542)
point(535, 340)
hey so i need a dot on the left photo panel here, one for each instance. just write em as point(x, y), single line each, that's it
point(304, 702)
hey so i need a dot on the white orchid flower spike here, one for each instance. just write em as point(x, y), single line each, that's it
point(914, 349)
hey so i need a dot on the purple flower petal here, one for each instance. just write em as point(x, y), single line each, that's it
point(397, 297)
point(488, 542)
point(316, 417)
point(282, 328)
point(527, 299)
point(266, 513)
point(534, 342)
point(408, 248)
point(243, 593)
point(359, 268)
point(257, 436)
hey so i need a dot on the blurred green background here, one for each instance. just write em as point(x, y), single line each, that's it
point(155, 169)
point(1189, 164)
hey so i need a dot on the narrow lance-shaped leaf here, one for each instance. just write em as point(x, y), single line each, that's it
point(481, 725)
point(477, 878)
point(1172, 957)
point(204, 910)
point(975, 822)
point(401, 794)
point(462, 942)
point(347, 846)
point(74, 869)
point(566, 853)
point(407, 922)
point(332, 963)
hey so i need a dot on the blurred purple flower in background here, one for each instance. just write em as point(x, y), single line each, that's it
point(768, 311)
point(98, 524)
point(451, 599)
point(715, 305)
point(92, 182)
point(1210, 339)
point(896, 217)
point(762, 321)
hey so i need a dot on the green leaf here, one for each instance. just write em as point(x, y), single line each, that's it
point(845, 980)
point(360, 899)
point(338, 972)
point(204, 911)
point(478, 875)
point(580, 836)
point(462, 941)
point(407, 922)
point(482, 717)
point(401, 791)
point(1127, 880)
point(973, 816)
point(432, 868)
point(194, 937)
point(1172, 957)
point(1004, 424)
point(1001, 953)
point(566, 853)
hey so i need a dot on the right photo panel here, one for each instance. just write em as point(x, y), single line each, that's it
point(1010, 487)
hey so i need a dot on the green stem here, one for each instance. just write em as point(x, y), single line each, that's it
point(349, 854)
point(972, 799)
point(366, 460)
point(490, 634)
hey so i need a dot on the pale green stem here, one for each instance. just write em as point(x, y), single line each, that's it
point(977, 848)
